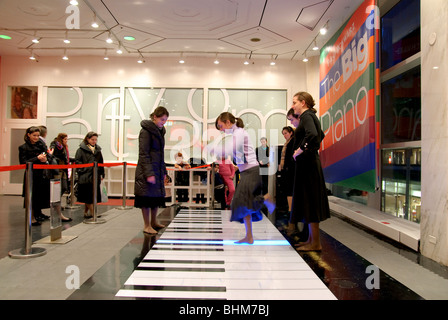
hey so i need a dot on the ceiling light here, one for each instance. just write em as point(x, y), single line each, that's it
point(66, 40)
point(109, 39)
point(246, 61)
point(119, 51)
point(73, 2)
point(4, 36)
point(141, 59)
point(305, 59)
point(324, 29)
point(32, 57)
point(272, 63)
point(105, 55)
point(129, 38)
point(315, 48)
point(216, 60)
point(181, 60)
point(65, 57)
point(94, 23)
point(36, 39)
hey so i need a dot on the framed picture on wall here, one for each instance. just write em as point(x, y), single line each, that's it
point(22, 102)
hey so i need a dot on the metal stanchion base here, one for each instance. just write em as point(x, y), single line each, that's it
point(71, 207)
point(93, 221)
point(124, 208)
point(61, 240)
point(21, 254)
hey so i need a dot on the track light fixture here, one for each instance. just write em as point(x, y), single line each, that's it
point(119, 51)
point(33, 57)
point(181, 60)
point(94, 23)
point(216, 59)
point(324, 29)
point(65, 57)
point(246, 61)
point(305, 59)
point(141, 59)
point(66, 40)
point(109, 39)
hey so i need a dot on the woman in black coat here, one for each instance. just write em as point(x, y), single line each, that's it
point(89, 152)
point(34, 150)
point(61, 154)
point(150, 173)
point(310, 200)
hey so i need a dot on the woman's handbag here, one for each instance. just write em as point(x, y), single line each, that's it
point(104, 197)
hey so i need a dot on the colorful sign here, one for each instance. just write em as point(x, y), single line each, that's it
point(349, 92)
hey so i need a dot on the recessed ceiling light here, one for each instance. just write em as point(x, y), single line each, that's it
point(4, 36)
point(129, 38)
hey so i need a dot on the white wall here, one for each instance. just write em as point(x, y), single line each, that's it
point(434, 40)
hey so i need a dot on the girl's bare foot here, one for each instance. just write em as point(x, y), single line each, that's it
point(149, 231)
point(248, 240)
point(158, 225)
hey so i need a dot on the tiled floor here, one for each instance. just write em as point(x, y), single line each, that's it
point(119, 262)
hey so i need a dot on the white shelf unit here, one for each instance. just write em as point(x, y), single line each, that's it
point(114, 185)
point(196, 187)
point(114, 180)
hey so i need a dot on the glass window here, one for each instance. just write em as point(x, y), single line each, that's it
point(401, 108)
point(401, 186)
point(400, 33)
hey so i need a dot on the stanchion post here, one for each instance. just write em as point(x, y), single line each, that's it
point(28, 251)
point(125, 174)
point(95, 219)
point(72, 191)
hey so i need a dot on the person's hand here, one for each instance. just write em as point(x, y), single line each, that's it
point(42, 157)
point(151, 179)
point(298, 152)
point(50, 151)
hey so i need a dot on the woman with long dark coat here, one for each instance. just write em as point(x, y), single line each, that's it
point(310, 200)
point(150, 173)
point(34, 150)
point(89, 152)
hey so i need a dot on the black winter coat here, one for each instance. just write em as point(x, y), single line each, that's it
point(85, 155)
point(28, 152)
point(310, 200)
point(151, 160)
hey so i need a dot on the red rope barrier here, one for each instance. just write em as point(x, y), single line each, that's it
point(71, 166)
point(61, 166)
point(10, 168)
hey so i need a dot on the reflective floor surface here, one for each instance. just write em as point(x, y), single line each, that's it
point(336, 272)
